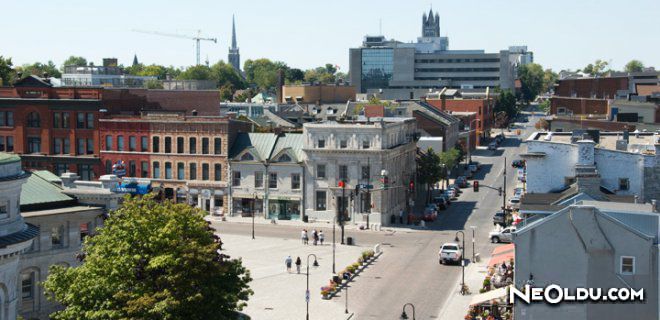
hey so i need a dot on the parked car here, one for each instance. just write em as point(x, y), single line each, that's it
point(518, 163)
point(499, 138)
point(502, 235)
point(514, 202)
point(474, 166)
point(492, 146)
point(462, 182)
point(456, 188)
point(430, 213)
point(517, 192)
point(442, 199)
point(450, 253)
point(450, 193)
point(498, 218)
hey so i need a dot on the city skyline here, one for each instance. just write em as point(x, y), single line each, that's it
point(287, 31)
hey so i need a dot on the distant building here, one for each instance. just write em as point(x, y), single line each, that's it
point(134, 101)
point(234, 56)
point(108, 75)
point(399, 70)
point(317, 93)
point(189, 85)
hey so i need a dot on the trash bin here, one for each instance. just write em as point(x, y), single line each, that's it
point(349, 241)
point(392, 219)
point(305, 218)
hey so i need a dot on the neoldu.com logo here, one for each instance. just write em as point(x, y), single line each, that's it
point(554, 294)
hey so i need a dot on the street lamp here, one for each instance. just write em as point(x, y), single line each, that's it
point(469, 157)
point(342, 207)
point(404, 316)
point(462, 258)
point(473, 253)
point(316, 264)
point(254, 202)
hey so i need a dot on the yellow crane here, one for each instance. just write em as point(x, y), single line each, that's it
point(198, 38)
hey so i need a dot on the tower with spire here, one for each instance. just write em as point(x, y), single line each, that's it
point(234, 57)
point(431, 25)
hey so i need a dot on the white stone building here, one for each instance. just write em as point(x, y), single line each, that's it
point(626, 163)
point(266, 171)
point(359, 152)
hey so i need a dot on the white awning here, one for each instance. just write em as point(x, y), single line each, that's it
point(496, 294)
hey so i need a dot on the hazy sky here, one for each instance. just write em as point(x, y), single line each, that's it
point(563, 34)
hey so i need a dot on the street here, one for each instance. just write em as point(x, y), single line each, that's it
point(409, 270)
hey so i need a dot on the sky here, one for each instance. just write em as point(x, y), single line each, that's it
point(563, 34)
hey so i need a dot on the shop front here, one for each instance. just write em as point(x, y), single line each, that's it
point(207, 198)
point(284, 208)
point(246, 205)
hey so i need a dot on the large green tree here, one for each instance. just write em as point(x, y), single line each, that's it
point(227, 76)
point(429, 170)
point(294, 75)
point(151, 261)
point(549, 79)
point(198, 72)
point(74, 61)
point(505, 107)
point(262, 73)
point(634, 66)
point(596, 69)
point(6, 71)
point(531, 78)
point(38, 69)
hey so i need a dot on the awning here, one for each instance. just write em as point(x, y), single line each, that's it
point(497, 294)
point(502, 253)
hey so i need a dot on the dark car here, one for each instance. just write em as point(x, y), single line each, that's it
point(498, 218)
point(518, 163)
point(461, 181)
point(442, 199)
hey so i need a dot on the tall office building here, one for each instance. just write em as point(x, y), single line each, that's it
point(234, 55)
point(398, 70)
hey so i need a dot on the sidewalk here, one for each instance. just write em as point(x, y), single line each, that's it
point(456, 305)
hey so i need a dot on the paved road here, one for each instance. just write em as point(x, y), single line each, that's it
point(409, 270)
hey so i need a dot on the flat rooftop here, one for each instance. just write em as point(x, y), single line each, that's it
point(642, 142)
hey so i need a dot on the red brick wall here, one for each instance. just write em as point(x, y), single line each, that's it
point(602, 88)
point(483, 108)
point(579, 105)
point(131, 101)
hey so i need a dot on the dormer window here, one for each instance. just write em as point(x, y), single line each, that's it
point(247, 157)
point(284, 158)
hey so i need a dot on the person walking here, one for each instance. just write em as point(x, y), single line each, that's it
point(288, 261)
point(401, 216)
point(298, 263)
point(303, 236)
point(315, 236)
point(321, 236)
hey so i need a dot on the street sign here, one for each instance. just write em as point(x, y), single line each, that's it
point(365, 186)
point(307, 295)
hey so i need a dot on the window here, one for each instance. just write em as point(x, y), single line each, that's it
point(57, 120)
point(320, 200)
point(4, 208)
point(321, 143)
point(624, 184)
point(272, 180)
point(168, 144)
point(295, 181)
point(144, 144)
point(27, 285)
point(86, 172)
point(627, 265)
point(80, 146)
point(180, 171)
point(144, 169)
point(57, 236)
point(57, 146)
point(217, 172)
point(34, 144)
point(365, 144)
point(320, 171)
point(205, 171)
point(132, 168)
point(108, 143)
point(62, 168)
point(343, 144)
point(66, 121)
point(65, 150)
point(205, 145)
point(6, 118)
point(33, 120)
point(217, 145)
point(168, 170)
point(90, 146)
point(247, 157)
point(236, 178)
point(366, 172)
point(192, 145)
point(10, 144)
point(90, 121)
point(193, 171)
point(108, 167)
point(179, 145)
point(120, 143)
point(156, 170)
point(258, 179)
point(343, 172)
point(80, 120)
point(155, 144)
point(132, 143)
point(84, 231)
point(284, 158)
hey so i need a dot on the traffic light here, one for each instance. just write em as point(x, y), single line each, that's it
point(341, 183)
point(499, 190)
point(475, 186)
point(411, 186)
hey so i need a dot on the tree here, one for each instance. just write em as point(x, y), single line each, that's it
point(429, 171)
point(597, 69)
point(6, 71)
point(38, 69)
point(531, 77)
point(549, 79)
point(198, 72)
point(74, 61)
point(505, 105)
point(226, 76)
point(153, 84)
point(634, 66)
point(151, 261)
point(262, 73)
point(294, 75)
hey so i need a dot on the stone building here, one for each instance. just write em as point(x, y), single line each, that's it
point(377, 154)
point(267, 171)
point(186, 156)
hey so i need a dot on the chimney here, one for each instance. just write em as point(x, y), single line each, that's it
point(194, 112)
point(280, 83)
point(69, 179)
point(626, 135)
point(109, 181)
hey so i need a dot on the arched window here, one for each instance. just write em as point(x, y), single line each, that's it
point(33, 120)
point(284, 158)
point(247, 157)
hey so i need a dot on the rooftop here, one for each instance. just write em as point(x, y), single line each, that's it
point(6, 158)
point(638, 142)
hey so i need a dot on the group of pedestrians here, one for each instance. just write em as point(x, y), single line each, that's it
point(317, 237)
point(288, 262)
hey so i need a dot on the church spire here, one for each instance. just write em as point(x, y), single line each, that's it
point(233, 33)
point(135, 60)
point(234, 57)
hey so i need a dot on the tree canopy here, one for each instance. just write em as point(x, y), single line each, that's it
point(549, 79)
point(38, 69)
point(531, 77)
point(6, 71)
point(596, 69)
point(262, 73)
point(505, 108)
point(74, 61)
point(151, 261)
point(634, 66)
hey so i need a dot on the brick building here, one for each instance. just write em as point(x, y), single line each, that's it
point(190, 102)
point(185, 155)
point(481, 107)
point(578, 106)
point(592, 88)
point(51, 128)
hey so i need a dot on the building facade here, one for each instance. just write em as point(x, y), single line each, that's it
point(377, 154)
point(185, 155)
point(317, 93)
point(52, 128)
point(108, 75)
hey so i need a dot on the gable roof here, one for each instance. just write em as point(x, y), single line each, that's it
point(38, 192)
point(290, 140)
point(33, 81)
point(261, 143)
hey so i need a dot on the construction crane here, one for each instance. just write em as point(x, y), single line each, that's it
point(197, 38)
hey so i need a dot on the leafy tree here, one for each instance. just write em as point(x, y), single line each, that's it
point(227, 77)
point(153, 84)
point(330, 68)
point(597, 69)
point(151, 261)
point(505, 105)
point(262, 73)
point(38, 69)
point(294, 75)
point(198, 72)
point(74, 61)
point(429, 170)
point(545, 105)
point(226, 93)
point(549, 79)
point(634, 66)
point(321, 74)
point(6, 71)
point(531, 77)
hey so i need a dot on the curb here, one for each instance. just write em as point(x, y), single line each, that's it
point(345, 283)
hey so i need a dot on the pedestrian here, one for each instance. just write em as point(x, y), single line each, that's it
point(298, 263)
point(315, 236)
point(401, 216)
point(321, 236)
point(288, 261)
point(303, 236)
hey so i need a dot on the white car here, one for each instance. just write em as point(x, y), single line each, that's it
point(450, 252)
point(501, 235)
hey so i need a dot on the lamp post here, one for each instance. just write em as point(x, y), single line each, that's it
point(316, 264)
point(334, 243)
point(469, 157)
point(473, 240)
point(254, 202)
point(342, 185)
point(404, 316)
point(462, 258)
point(504, 189)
